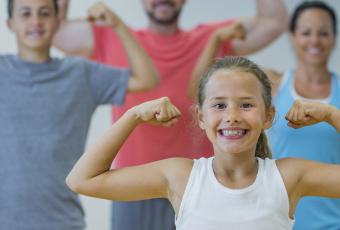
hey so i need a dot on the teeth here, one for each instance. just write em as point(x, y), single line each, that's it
point(233, 132)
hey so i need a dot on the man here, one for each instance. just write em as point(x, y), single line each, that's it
point(46, 106)
point(174, 52)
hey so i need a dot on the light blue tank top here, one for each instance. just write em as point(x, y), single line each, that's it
point(319, 142)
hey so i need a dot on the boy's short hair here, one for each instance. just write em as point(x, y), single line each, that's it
point(10, 4)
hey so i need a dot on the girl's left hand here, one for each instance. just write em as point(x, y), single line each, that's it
point(305, 113)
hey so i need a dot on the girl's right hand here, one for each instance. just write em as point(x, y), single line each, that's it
point(159, 112)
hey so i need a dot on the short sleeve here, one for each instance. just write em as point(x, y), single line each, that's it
point(108, 84)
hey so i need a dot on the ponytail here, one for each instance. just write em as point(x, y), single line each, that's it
point(262, 149)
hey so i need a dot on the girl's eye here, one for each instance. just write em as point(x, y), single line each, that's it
point(305, 33)
point(246, 106)
point(219, 106)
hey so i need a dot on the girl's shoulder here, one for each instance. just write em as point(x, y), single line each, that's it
point(292, 170)
point(179, 165)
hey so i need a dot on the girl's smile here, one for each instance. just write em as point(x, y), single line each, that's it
point(233, 113)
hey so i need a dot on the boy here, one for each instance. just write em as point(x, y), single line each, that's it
point(45, 110)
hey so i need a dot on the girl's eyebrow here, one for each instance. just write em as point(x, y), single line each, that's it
point(247, 98)
point(216, 98)
point(221, 98)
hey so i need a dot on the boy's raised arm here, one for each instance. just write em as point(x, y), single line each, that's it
point(144, 74)
point(76, 37)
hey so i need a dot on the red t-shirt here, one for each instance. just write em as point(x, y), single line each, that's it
point(174, 57)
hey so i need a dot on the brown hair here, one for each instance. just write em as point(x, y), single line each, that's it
point(244, 65)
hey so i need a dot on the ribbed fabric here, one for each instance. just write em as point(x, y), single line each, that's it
point(208, 205)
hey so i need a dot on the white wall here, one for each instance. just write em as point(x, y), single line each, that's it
point(278, 56)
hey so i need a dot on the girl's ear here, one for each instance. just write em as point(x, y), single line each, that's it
point(270, 114)
point(200, 119)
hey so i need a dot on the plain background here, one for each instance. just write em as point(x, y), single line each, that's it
point(278, 56)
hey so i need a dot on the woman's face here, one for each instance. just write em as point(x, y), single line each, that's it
point(313, 38)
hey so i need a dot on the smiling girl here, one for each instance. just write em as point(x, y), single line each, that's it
point(240, 187)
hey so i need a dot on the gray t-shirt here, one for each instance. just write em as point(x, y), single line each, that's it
point(45, 112)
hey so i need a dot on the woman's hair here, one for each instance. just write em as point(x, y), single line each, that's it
point(10, 5)
point(306, 5)
point(243, 65)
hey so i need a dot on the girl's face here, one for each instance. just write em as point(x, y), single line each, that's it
point(233, 112)
point(34, 23)
point(314, 38)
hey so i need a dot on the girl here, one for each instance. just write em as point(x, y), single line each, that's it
point(313, 34)
point(238, 188)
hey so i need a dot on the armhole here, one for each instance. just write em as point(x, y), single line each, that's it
point(187, 190)
point(284, 191)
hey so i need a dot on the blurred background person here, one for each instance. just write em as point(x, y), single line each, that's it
point(313, 33)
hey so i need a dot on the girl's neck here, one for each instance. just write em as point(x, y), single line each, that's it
point(34, 56)
point(235, 172)
point(237, 164)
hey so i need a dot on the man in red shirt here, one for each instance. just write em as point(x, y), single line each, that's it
point(174, 52)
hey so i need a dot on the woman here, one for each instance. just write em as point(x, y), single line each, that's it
point(313, 35)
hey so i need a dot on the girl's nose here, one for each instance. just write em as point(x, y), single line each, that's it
point(232, 115)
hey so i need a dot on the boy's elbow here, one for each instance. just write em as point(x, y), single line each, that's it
point(73, 184)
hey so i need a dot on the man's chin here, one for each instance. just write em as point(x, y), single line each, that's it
point(165, 21)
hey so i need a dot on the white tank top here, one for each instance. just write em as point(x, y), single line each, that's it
point(209, 205)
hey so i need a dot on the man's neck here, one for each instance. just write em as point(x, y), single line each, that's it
point(164, 29)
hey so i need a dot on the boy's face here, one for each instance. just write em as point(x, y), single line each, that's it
point(34, 23)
